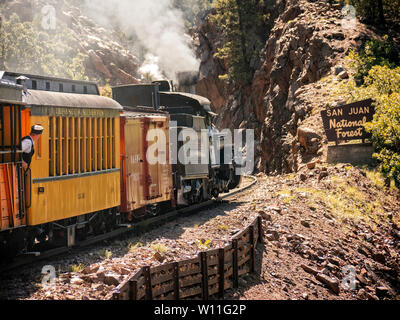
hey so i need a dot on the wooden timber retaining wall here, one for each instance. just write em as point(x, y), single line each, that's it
point(207, 276)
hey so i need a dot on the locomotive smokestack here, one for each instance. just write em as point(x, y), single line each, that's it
point(187, 81)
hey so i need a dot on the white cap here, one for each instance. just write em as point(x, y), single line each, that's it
point(38, 129)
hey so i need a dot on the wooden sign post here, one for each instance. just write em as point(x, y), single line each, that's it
point(347, 122)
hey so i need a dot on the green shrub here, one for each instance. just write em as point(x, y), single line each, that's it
point(382, 84)
point(375, 53)
point(385, 129)
point(376, 11)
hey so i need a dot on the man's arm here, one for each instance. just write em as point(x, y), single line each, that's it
point(26, 147)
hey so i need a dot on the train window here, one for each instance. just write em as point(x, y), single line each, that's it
point(84, 89)
point(34, 84)
point(73, 88)
point(71, 146)
point(48, 86)
point(51, 146)
point(38, 149)
point(79, 145)
point(64, 146)
point(61, 87)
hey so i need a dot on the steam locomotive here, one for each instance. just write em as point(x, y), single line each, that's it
point(91, 171)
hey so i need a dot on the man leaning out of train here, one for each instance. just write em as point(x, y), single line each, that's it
point(28, 145)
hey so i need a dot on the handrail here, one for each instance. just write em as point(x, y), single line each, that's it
point(28, 189)
point(9, 152)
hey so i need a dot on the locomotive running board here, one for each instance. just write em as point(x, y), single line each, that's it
point(125, 225)
point(36, 254)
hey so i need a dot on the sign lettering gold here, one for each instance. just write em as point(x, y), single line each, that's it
point(347, 122)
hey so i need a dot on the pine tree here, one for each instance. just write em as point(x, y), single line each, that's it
point(241, 22)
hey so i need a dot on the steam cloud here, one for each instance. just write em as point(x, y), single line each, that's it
point(157, 25)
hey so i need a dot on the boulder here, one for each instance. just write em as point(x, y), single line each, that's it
point(308, 139)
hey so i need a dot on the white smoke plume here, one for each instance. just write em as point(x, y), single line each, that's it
point(156, 24)
point(150, 69)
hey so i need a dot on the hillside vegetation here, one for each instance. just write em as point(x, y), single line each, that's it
point(26, 47)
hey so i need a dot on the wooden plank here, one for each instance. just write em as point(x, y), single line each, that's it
point(228, 284)
point(191, 280)
point(212, 261)
point(137, 275)
point(189, 261)
point(160, 278)
point(140, 281)
point(244, 260)
point(243, 254)
point(212, 270)
point(214, 290)
point(212, 281)
point(228, 273)
point(235, 263)
point(124, 295)
point(228, 257)
point(115, 296)
point(164, 267)
point(244, 270)
point(221, 271)
point(133, 289)
point(243, 242)
point(228, 247)
point(260, 230)
point(204, 272)
point(190, 268)
point(190, 292)
point(141, 294)
point(176, 280)
point(168, 296)
point(252, 250)
point(212, 252)
point(240, 235)
point(189, 272)
point(161, 289)
point(147, 277)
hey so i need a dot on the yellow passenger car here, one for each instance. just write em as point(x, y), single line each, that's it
point(74, 182)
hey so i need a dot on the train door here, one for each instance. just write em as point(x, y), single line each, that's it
point(133, 163)
point(12, 177)
point(155, 168)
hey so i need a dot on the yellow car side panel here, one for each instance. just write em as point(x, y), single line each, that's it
point(57, 200)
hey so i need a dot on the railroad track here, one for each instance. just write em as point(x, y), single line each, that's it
point(137, 227)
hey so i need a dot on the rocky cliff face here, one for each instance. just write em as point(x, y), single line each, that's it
point(108, 60)
point(307, 40)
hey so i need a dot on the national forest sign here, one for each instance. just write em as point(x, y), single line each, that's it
point(347, 122)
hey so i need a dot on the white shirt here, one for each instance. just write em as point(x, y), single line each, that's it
point(26, 145)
